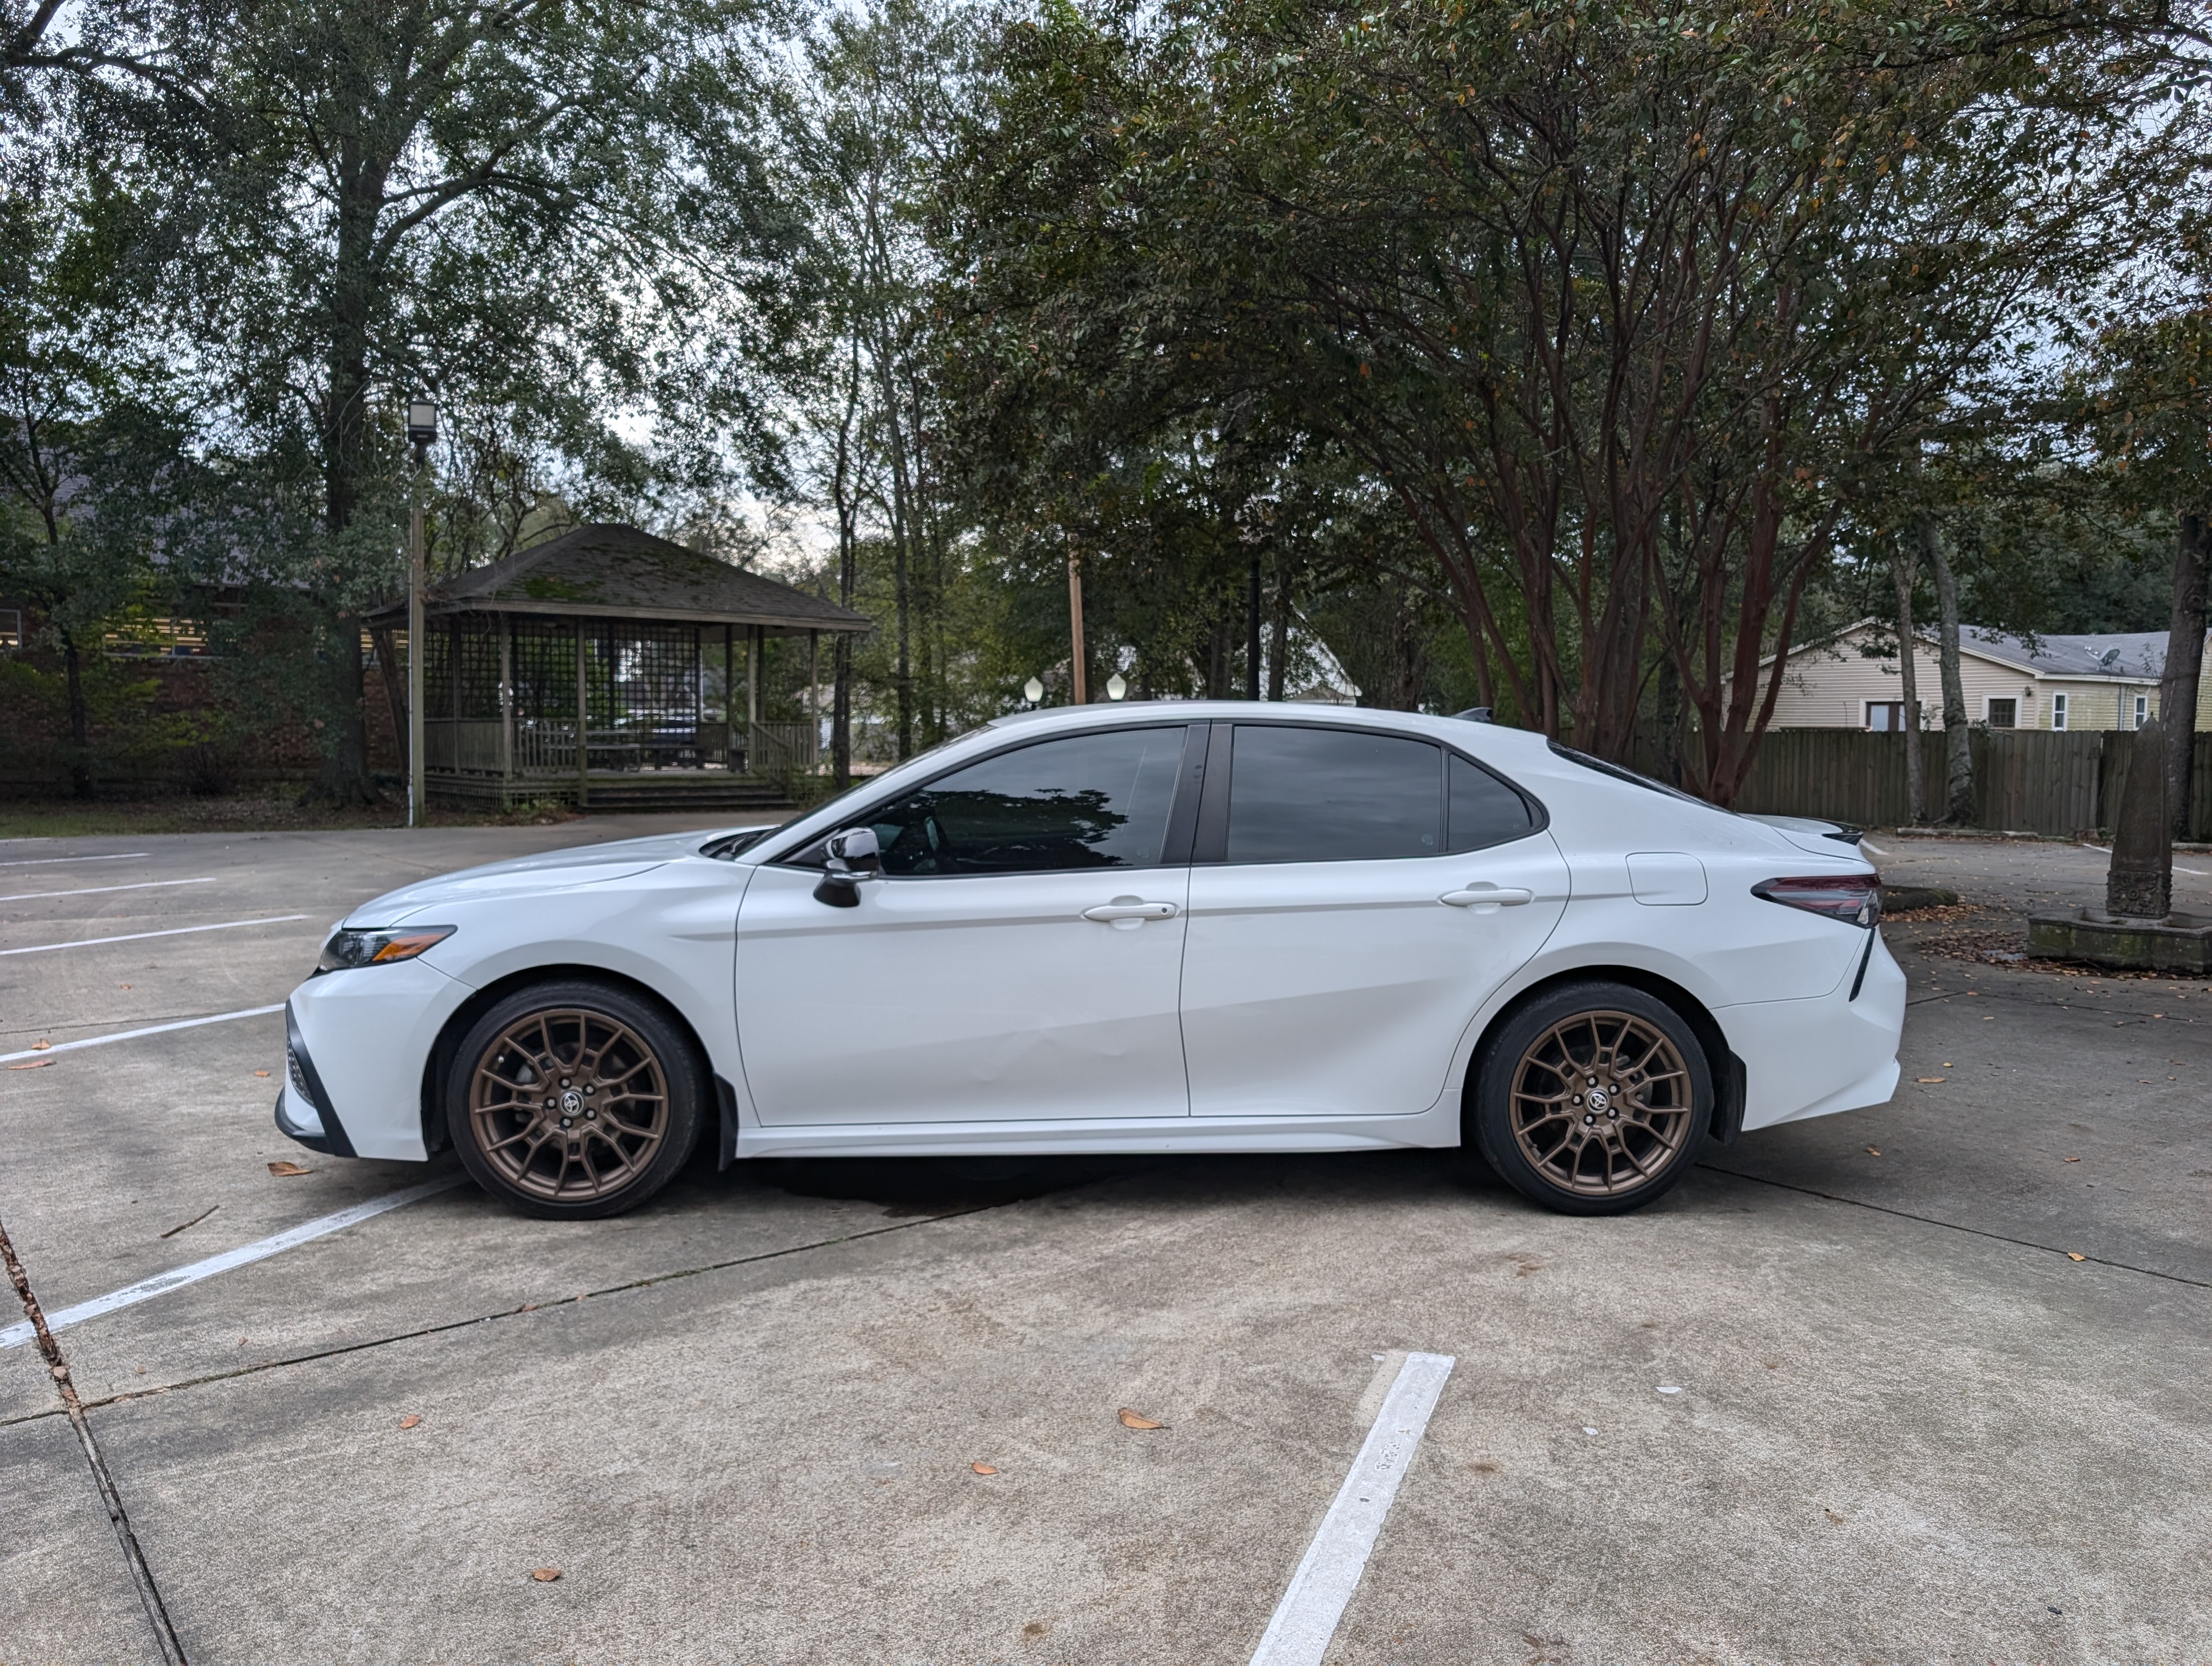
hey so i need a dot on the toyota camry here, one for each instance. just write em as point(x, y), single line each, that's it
point(1164, 927)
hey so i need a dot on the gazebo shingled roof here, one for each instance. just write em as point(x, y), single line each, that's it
point(608, 571)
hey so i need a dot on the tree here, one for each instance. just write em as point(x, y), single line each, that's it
point(1623, 305)
point(560, 217)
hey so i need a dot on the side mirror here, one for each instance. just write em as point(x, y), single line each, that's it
point(854, 856)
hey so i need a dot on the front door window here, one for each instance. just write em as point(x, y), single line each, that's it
point(1085, 802)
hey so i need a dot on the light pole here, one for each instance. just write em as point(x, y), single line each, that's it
point(422, 434)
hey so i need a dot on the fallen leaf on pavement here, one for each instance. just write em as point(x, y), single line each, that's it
point(40, 1045)
point(35, 1064)
point(410, 1420)
point(2073, 1159)
point(1138, 1421)
point(982, 1468)
point(1931, 1078)
point(261, 1072)
point(286, 1170)
point(2075, 1254)
point(545, 1576)
point(1871, 1152)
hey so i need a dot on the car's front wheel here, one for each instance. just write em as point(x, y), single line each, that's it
point(575, 1099)
point(1591, 1098)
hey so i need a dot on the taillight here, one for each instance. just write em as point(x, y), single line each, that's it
point(1853, 898)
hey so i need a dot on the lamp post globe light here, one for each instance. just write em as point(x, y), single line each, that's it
point(1034, 690)
point(1116, 686)
point(422, 434)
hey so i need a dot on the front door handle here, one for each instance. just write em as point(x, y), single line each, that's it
point(1475, 896)
point(1130, 910)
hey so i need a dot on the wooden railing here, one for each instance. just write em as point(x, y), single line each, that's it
point(778, 751)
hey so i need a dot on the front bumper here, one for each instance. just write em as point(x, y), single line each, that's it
point(358, 1041)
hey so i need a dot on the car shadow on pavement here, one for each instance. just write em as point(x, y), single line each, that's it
point(906, 1187)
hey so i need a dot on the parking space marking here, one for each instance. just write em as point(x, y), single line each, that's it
point(160, 1284)
point(1305, 1620)
point(132, 1035)
point(95, 890)
point(48, 861)
point(174, 930)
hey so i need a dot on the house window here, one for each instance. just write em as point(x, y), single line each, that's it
point(2004, 713)
point(2058, 711)
point(11, 629)
point(2142, 709)
point(1885, 716)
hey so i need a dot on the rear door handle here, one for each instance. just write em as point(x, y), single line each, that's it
point(1111, 911)
point(1496, 896)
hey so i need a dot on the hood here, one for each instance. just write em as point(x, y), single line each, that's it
point(1821, 838)
point(554, 870)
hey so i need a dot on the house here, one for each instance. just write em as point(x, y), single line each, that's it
point(1850, 681)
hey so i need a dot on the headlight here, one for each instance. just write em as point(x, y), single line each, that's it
point(378, 948)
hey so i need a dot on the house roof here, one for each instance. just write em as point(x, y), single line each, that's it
point(2118, 656)
point(2135, 656)
point(608, 571)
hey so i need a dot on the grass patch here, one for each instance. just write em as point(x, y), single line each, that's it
point(273, 809)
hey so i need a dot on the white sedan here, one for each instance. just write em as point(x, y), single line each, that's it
point(1168, 928)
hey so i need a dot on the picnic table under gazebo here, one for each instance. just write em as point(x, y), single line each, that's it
point(613, 670)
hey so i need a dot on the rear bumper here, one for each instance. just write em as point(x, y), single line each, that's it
point(1811, 1058)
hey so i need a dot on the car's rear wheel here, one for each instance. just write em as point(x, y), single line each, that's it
point(575, 1099)
point(1591, 1099)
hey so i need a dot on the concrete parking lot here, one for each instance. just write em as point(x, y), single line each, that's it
point(1939, 1369)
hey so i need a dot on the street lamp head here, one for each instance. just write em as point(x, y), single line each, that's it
point(1116, 686)
point(1034, 690)
point(422, 423)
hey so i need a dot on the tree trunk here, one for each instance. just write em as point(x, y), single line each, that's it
point(80, 719)
point(1957, 746)
point(344, 778)
point(1252, 628)
point(1903, 570)
point(2184, 665)
point(1279, 637)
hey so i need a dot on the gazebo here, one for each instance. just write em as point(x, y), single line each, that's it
point(613, 670)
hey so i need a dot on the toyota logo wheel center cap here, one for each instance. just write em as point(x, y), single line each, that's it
point(572, 1101)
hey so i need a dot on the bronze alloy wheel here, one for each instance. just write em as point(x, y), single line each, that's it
point(1601, 1103)
point(568, 1105)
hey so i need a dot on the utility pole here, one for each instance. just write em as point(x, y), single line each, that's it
point(1075, 629)
point(421, 432)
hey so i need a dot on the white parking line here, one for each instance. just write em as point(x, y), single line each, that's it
point(16, 1334)
point(132, 1035)
point(1305, 1620)
point(174, 930)
point(48, 861)
point(95, 890)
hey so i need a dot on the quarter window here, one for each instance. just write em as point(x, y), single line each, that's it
point(1484, 810)
point(1330, 795)
point(1087, 801)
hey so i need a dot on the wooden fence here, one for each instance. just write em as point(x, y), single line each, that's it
point(2026, 780)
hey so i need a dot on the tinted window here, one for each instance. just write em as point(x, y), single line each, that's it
point(1484, 810)
point(1092, 801)
point(1326, 795)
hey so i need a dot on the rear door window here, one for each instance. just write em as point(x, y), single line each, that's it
point(1332, 795)
point(1086, 801)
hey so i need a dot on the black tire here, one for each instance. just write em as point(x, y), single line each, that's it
point(1591, 1099)
point(525, 1105)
